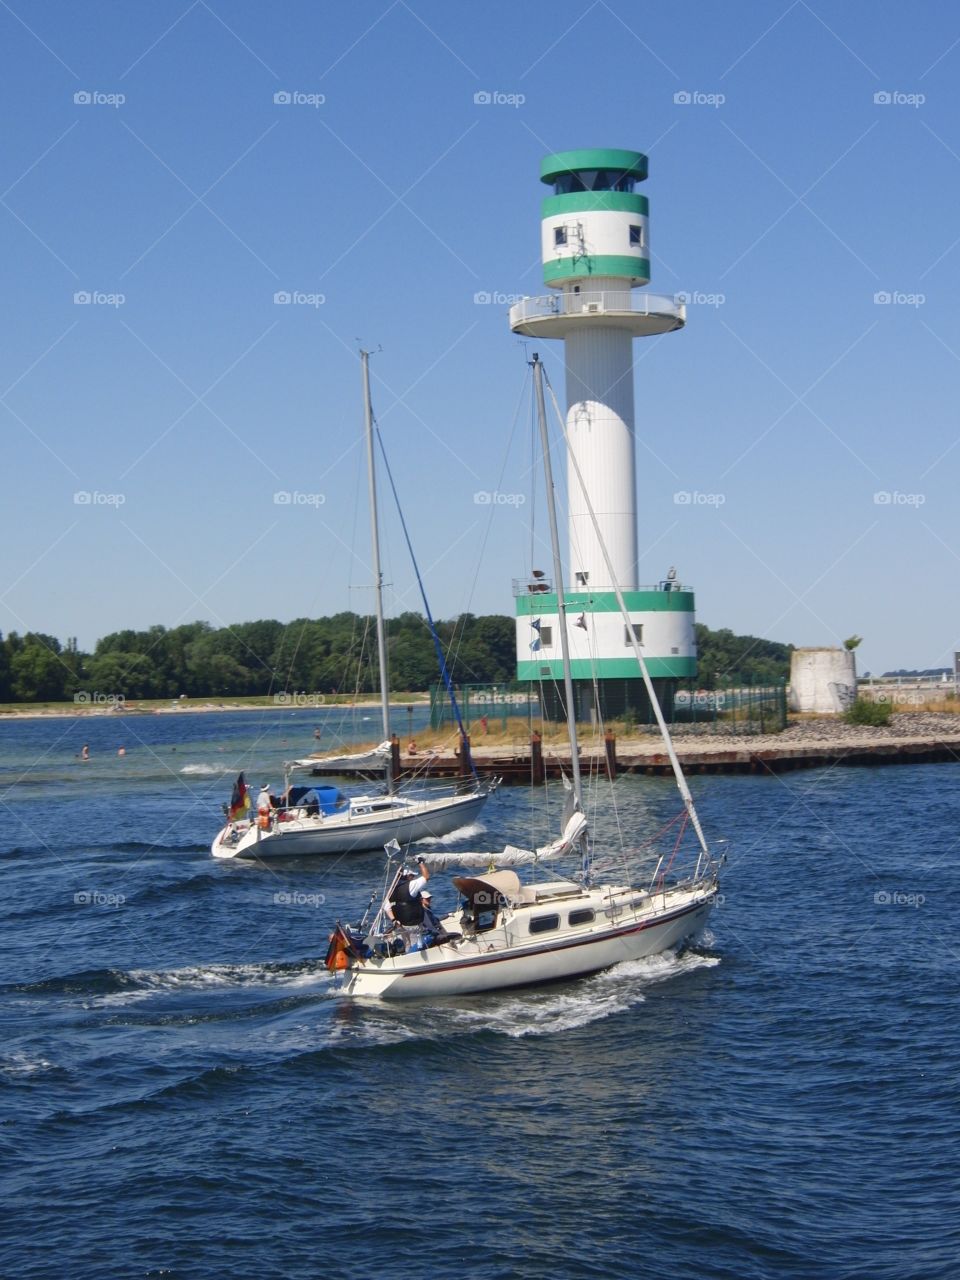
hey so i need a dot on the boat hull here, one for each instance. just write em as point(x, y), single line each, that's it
point(459, 970)
point(354, 834)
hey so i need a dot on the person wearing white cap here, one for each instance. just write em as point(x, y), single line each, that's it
point(264, 806)
point(431, 923)
point(406, 899)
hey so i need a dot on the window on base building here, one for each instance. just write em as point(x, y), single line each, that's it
point(636, 237)
point(559, 236)
point(637, 633)
point(546, 637)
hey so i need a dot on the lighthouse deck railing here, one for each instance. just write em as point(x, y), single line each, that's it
point(595, 302)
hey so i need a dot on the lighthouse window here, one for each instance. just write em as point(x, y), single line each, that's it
point(637, 633)
point(636, 237)
point(593, 180)
point(559, 236)
point(546, 636)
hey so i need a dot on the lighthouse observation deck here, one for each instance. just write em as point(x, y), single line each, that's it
point(557, 314)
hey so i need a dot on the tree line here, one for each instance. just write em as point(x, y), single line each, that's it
point(316, 655)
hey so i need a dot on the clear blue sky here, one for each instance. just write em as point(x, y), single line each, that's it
point(797, 398)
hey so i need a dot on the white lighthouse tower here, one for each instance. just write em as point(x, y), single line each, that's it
point(596, 247)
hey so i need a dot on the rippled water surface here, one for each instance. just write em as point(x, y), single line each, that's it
point(183, 1093)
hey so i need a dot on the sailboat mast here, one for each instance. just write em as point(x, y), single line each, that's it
point(558, 582)
point(638, 652)
point(375, 541)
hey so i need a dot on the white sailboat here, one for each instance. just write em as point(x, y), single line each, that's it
point(319, 820)
point(506, 934)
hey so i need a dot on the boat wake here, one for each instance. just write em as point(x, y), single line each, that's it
point(99, 987)
point(206, 770)
point(467, 832)
point(550, 1010)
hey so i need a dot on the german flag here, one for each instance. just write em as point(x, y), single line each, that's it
point(340, 951)
point(239, 800)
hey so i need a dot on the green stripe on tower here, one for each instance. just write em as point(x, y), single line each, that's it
point(606, 602)
point(607, 669)
point(582, 268)
point(634, 162)
point(595, 202)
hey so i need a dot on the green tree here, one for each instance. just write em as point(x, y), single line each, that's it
point(121, 675)
point(37, 671)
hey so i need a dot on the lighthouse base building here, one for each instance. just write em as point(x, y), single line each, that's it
point(595, 247)
point(606, 681)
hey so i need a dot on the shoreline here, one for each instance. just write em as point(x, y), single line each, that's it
point(84, 711)
point(911, 738)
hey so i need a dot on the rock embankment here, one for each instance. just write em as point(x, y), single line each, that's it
point(825, 731)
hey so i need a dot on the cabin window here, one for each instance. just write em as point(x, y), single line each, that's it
point(546, 637)
point(586, 915)
point(637, 635)
point(559, 236)
point(636, 237)
point(544, 924)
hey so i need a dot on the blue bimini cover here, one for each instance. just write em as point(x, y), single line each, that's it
point(328, 799)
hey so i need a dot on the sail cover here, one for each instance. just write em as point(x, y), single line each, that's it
point(512, 856)
point(355, 761)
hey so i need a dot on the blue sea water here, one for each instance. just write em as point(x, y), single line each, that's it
point(183, 1094)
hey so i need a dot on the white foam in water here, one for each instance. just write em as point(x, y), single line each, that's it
point(206, 770)
point(606, 993)
point(18, 1064)
point(468, 832)
point(209, 977)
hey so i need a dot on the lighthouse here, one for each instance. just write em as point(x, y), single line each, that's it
point(595, 238)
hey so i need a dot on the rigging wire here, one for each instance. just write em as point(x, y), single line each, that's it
point(464, 743)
